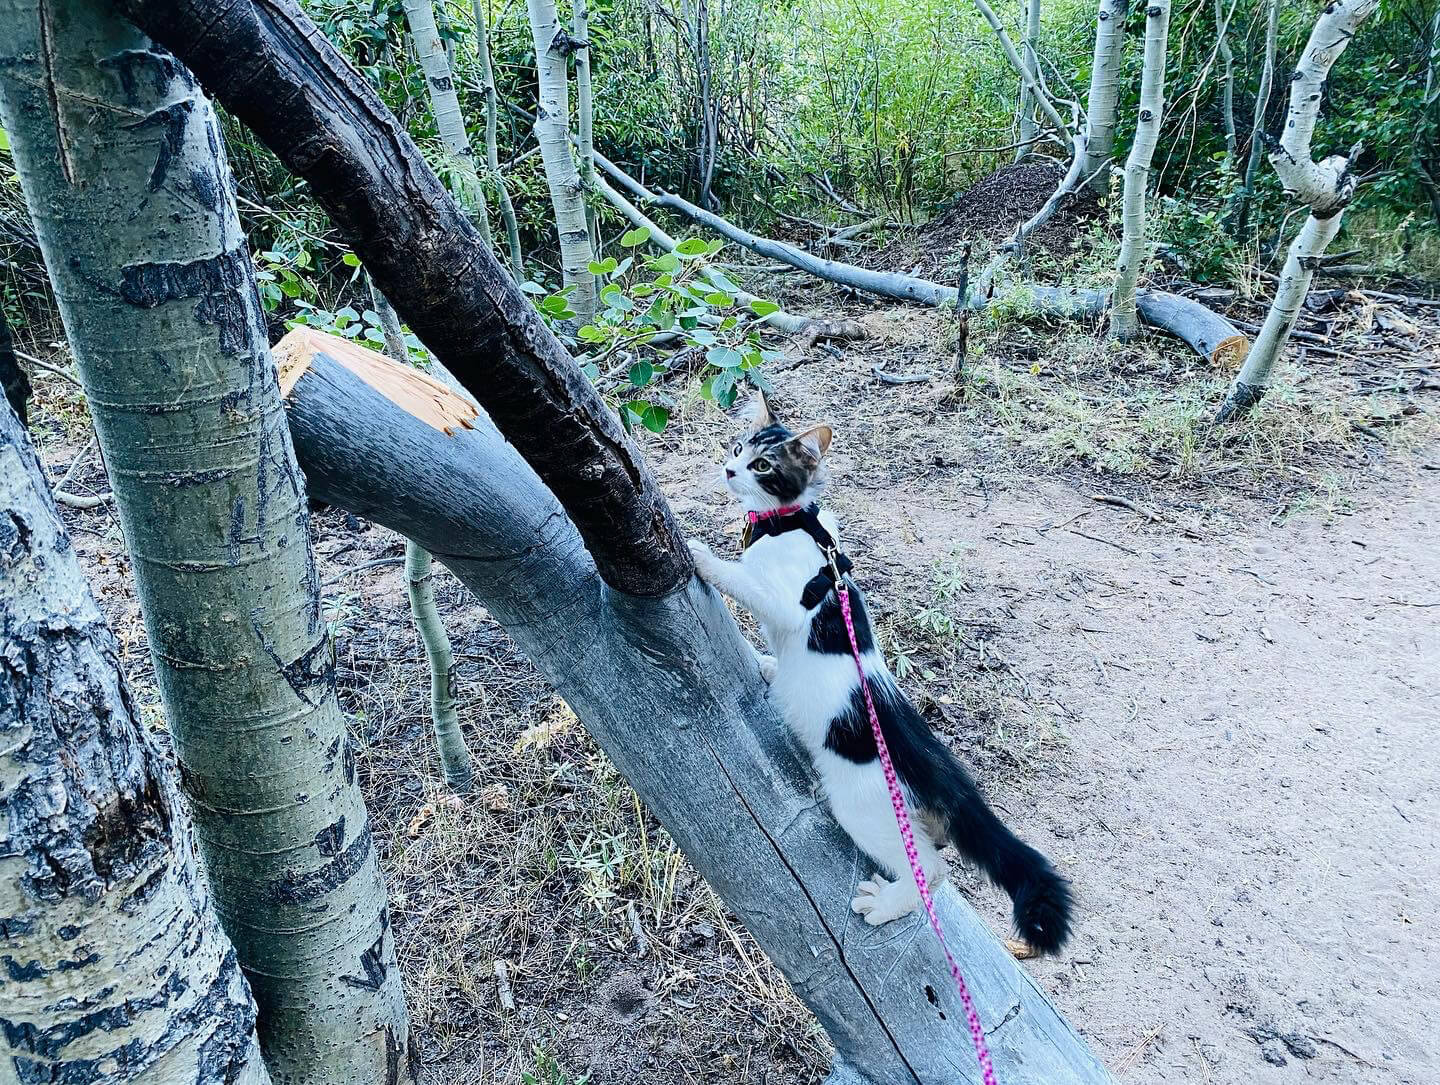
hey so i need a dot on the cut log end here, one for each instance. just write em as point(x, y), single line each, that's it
point(408, 388)
point(1230, 353)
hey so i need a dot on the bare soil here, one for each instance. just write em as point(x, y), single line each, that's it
point(986, 214)
point(1210, 696)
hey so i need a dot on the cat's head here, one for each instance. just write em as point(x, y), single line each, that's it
point(770, 465)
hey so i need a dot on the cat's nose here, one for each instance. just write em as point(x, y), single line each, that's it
point(729, 473)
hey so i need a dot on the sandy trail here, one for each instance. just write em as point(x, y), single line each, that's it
point(1246, 795)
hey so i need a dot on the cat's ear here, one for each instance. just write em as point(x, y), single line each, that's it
point(815, 440)
point(756, 411)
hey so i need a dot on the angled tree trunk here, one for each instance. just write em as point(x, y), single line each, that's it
point(672, 692)
point(1104, 96)
point(445, 105)
point(120, 158)
point(1029, 130)
point(99, 854)
point(1240, 213)
point(1124, 320)
point(1326, 186)
point(492, 147)
point(272, 68)
point(552, 131)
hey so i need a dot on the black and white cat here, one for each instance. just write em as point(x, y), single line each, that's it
point(782, 579)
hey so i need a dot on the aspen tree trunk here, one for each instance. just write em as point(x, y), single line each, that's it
point(1240, 214)
point(445, 104)
point(492, 147)
point(420, 584)
point(1029, 130)
point(1104, 96)
point(707, 134)
point(99, 855)
point(585, 114)
point(1124, 321)
point(1227, 76)
point(552, 131)
point(1326, 186)
point(119, 154)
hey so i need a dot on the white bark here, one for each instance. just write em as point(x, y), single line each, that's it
point(492, 145)
point(1029, 130)
point(445, 105)
point(1227, 76)
point(99, 853)
point(1124, 321)
point(120, 158)
point(552, 131)
point(1257, 124)
point(585, 113)
point(1104, 97)
point(1029, 78)
point(1326, 186)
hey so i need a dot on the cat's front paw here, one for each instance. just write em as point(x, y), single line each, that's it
point(769, 668)
point(880, 900)
point(703, 557)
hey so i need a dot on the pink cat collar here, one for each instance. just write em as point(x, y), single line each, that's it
point(770, 514)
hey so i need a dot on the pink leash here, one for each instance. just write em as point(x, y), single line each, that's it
point(907, 836)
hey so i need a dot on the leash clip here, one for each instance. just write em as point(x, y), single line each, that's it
point(832, 556)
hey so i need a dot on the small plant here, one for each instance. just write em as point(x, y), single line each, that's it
point(548, 1071)
point(676, 295)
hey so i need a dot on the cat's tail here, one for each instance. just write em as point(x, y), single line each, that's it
point(1039, 894)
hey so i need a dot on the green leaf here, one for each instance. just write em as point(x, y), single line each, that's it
point(602, 267)
point(721, 300)
point(4, 140)
point(724, 357)
point(667, 263)
point(722, 281)
point(655, 417)
point(350, 260)
point(761, 307)
point(722, 387)
point(591, 334)
point(759, 380)
point(692, 246)
point(641, 373)
point(631, 238)
point(371, 317)
point(714, 246)
point(703, 337)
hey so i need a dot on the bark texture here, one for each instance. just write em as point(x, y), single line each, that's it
point(492, 148)
point(1124, 320)
point(116, 966)
point(445, 105)
point(585, 113)
point(1104, 96)
point(1029, 130)
point(1240, 213)
point(552, 131)
point(271, 67)
point(1326, 186)
point(120, 158)
point(673, 693)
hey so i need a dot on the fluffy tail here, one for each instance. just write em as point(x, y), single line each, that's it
point(940, 784)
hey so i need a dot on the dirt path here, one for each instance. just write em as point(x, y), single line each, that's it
point(1245, 797)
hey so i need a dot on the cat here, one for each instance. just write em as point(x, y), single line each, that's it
point(785, 580)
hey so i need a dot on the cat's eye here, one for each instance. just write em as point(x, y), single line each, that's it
point(738, 446)
point(760, 465)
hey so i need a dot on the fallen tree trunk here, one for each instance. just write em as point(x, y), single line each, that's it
point(711, 759)
point(1208, 334)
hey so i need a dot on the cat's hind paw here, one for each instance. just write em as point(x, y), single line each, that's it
point(880, 900)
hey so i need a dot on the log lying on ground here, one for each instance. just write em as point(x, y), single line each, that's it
point(710, 759)
point(1208, 334)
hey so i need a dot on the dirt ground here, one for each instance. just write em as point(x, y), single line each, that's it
point(1211, 695)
